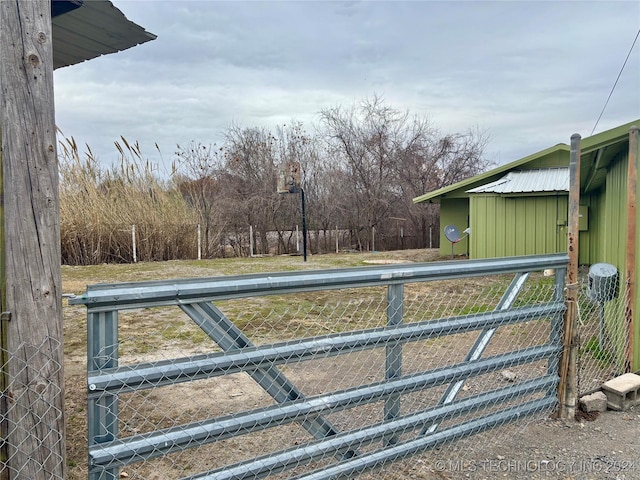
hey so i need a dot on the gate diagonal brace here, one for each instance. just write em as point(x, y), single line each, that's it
point(229, 337)
point(481, 342)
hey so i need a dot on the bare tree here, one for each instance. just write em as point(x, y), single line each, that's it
point(435, 161)
point(367, 141)
point(251, 180)
point(360, 141)
point(298, 146)
point(197, 172)
point(386, 158)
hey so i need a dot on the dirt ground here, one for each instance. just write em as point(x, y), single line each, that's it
point(607, 447)
point(604, 447)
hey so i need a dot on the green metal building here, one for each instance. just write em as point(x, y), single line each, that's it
point(521, 208)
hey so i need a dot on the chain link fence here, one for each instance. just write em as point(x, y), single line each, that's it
point(352, 362)
point(603, 334)
point(31, 389)
point(433, 407)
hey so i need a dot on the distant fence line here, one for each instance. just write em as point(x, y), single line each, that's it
point(192, 241)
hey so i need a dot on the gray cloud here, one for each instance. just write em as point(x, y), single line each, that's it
point(530, 73)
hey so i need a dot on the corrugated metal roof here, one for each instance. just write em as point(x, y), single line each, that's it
point(490, 175)
point(95, 28)
point(529, 181)
point(609, 140)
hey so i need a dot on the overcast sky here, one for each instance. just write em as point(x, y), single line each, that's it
point(528, 73)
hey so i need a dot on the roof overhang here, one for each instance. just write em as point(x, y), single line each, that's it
point(596, 153)
point(83, 30)
point(60, 7)
point(460, 188)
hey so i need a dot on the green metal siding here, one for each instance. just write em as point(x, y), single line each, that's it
point(508, 226)
point(606, 242)
point(615, 215)
point(518, 225)
point(591, 241)
point(454, 211)
point(557, 158)
point(613, 238)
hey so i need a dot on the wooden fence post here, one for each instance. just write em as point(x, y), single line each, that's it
point(567, 389)
point(4, 346)
point(31, 255)
point(199, 243)
point(133, 244)
point(630, 270)
point(251, 241)
point(373, 239)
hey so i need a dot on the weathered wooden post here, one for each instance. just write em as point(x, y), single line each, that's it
point(133, 243)
point(199, 243)
point(4, 348)
point(31, 293)
point(567, 388)
point(630, 267)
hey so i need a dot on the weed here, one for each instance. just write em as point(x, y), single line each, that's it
point(595, 349)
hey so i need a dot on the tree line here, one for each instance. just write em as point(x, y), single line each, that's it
point(360, 168)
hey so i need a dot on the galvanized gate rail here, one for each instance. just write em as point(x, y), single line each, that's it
point(106, 380)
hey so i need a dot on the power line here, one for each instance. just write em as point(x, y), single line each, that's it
point(616, 82)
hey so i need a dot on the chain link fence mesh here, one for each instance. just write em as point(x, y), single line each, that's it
point(167, 334)
point(164, 334)
point(603, 334)
point(30, 419)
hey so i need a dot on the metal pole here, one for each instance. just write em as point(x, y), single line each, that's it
point(297, 239)
point(601, 336)
point(304, 226)
point(568, 381)
point(102, 412)
point(632, 189)
point(393, 364)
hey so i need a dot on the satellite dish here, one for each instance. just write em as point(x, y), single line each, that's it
point(452, 233)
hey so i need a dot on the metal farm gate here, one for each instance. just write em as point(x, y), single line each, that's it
point(435, 360)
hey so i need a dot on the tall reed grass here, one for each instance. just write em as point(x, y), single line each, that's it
point(99, 206)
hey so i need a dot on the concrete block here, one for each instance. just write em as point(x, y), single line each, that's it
point(596, 402)
point(622, 392)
